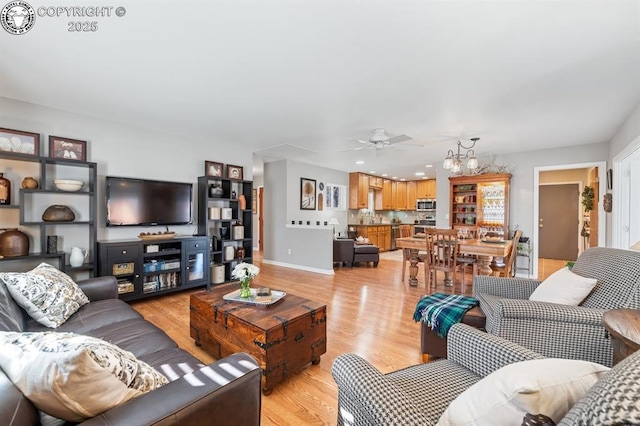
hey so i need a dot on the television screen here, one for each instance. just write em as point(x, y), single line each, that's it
point(142, 202)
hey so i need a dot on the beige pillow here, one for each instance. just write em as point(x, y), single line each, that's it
point(74, 377)
point(564, 287)
point(48, 295)
point(549, 386)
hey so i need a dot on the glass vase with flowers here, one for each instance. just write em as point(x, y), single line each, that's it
point(245, 272)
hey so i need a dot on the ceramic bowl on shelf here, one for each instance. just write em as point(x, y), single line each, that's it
point(68, 185)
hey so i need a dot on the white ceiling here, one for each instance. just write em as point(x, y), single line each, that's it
point(522, 75)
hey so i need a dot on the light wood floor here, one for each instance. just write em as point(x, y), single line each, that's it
point(369, 312)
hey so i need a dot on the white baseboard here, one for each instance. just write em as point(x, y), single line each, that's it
point(300, 267)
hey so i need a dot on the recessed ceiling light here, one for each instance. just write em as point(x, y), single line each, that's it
point(384, 175)
point(394, 177)
point(403, 179)
point(428, 165)
point(425, 177)
point(419, 173)
point(372, 171)
point(359, 162)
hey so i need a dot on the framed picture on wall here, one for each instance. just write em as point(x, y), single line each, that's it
point(254, 200)
point(307, 194)
point(213, 169)
point(234, 172)
point(19, 142)
point(68, 149)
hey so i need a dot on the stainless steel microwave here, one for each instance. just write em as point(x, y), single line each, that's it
point(425, 205)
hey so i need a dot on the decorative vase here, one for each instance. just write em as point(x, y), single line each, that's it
point(215, 191)
point(242, 201)
point(245, 290)
point(58, 213)
point(77, 257)
point(13, 243)
point(29, 183)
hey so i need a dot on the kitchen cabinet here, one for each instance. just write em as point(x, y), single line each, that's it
point(375, 182)
point(480, 202)
point(426, 188)
point(382, 197)
point(379, 235)
point(358, 190)
point(411, 194)
point(384, 238)
point(401, 196)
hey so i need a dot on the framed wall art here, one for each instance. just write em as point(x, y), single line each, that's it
point(19, 141)
point(254, 200)
point(234, 172)
point(307, 194)
point(68, 149)
point(213, 169)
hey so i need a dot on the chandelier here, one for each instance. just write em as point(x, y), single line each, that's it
point(456, 163)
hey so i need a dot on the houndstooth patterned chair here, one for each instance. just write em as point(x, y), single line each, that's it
point(561, 331)
point(419, 395)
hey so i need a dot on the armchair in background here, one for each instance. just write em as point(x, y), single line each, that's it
point(557, 330)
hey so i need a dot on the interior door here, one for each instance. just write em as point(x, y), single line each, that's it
point(558, 221)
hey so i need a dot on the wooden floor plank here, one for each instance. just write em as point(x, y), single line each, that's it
point(369, 312)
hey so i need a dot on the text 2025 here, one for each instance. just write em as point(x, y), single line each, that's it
point(83, 26)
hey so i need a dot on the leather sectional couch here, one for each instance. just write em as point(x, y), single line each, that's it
point(224, 392)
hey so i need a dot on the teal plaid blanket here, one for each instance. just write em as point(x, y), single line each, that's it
point(440, 311)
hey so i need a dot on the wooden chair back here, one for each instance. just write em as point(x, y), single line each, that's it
point(405, 230)
point(510, 262)
point(442, 249)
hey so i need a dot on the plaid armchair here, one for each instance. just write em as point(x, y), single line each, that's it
point(561, 331)
point(418, 395)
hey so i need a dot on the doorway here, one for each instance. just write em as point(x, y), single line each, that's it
point(558, 221)
point(598, 220)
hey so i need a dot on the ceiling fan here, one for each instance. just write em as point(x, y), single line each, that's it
point(379, 140)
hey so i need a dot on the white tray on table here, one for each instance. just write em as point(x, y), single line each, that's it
point(234, 296)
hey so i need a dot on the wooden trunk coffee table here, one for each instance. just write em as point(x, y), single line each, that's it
point(282, 337)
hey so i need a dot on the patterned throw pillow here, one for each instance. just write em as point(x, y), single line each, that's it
point(74, 377)
point(48, 295)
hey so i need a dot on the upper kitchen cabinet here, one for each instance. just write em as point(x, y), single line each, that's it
point(401, 195)
point(384, 198)
point(426, 188)
point(412, 194)
point(358, 191)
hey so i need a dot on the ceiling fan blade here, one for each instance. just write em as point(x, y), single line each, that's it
point(354, 149)
point(357, 140)
point(399, 138)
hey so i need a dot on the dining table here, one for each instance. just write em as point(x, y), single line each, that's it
point(485, 251)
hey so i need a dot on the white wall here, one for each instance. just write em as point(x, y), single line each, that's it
point(121, 150)
point(624, 137)
point(521, 166)
point(308, 248)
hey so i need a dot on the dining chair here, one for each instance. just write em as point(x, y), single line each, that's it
point(405, 231)
point(507, 268)
point(442, 255)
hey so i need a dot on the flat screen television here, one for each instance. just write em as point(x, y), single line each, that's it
point(142, 202)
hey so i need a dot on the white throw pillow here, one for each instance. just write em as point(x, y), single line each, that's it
point(74, 377)
point(48, 295)
point(564, 287)
point(548, 386)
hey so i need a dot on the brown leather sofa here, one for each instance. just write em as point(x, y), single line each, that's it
point(234, 402)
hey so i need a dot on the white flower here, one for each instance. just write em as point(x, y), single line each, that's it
point(244, 270)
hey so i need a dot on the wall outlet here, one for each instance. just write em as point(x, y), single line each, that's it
point(288, 251)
